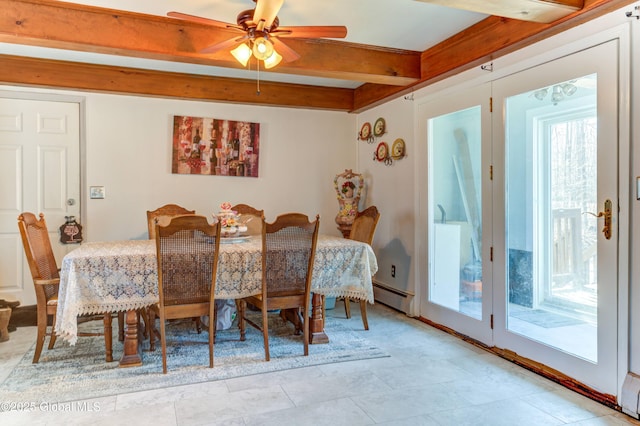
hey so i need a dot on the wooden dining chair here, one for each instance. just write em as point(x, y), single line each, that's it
point(288, 252)
point(187, 249)
point(46, 280)
point(251, 217)
point(363, 229)
point(163, 215)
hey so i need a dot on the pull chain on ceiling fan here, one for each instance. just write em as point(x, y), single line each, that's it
point(262, 33)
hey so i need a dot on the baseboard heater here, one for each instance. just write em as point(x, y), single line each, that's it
point(393, 297)
point(630, 398)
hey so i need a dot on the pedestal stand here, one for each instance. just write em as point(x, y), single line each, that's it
point(5, 316)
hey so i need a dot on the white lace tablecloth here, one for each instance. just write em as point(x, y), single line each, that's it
point(120, 276)
point(343, 268)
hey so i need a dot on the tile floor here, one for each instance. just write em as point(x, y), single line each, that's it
point(431, 378)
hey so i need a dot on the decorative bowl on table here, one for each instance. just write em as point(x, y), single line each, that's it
point(229, 231)
point(231, 226)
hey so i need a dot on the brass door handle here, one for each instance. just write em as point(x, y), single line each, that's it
point(606, 230)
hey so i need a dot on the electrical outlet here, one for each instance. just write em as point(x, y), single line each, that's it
point(393, 271)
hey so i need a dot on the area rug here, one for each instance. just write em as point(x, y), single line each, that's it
point(69, 373)
point(546, 319)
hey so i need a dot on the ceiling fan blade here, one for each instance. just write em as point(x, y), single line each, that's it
point(321, 31)
point(267, 10)
point(227, 44)
point(200, 20)
point(288, 54)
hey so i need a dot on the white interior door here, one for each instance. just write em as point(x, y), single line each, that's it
point(556, 153)
point(39, 173)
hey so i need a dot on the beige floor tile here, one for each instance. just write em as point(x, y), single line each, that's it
point(204, 410)
point(567, 406)
point(412, 421)
point(495, 387)
point(433, 371)
point(430, 378)
point(172, 394)
point(330, 413)
point(333, 387)
point(275, 378)
point(405, 403)
point(500, 413)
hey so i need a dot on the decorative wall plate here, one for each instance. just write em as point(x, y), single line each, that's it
point(379, 127)
point(365, 132)
point(398, 149)
point(382, 151)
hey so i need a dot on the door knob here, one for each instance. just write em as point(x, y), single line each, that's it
point(71, 202)
point(606, 230)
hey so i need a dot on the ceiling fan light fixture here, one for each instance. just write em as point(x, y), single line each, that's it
point(272, 60)
point(262, 48)
point(242, 53)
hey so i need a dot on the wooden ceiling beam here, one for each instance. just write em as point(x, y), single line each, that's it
point(83, 28)
point(21, 71)
point(479, 44)
point(544, 11)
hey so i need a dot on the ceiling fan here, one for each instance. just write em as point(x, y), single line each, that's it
point(261, 34)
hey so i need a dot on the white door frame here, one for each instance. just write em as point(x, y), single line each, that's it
point(612, 26)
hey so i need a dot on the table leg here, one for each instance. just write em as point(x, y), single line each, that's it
point(316, 324)
point(132, 354)
point(120, 326)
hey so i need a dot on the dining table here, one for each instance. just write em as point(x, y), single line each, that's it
point(122, 276)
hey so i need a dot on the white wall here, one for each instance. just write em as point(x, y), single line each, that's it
point(128, 151)
point(391, 189)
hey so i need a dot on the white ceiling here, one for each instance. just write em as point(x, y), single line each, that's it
point(400, 24)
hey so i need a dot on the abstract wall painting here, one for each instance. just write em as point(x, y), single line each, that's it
point(210, 146)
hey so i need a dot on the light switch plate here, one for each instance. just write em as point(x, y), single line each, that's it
point(96, 192)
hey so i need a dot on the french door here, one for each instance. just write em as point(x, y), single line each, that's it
point(521, 207)
point(457, 208)
point(555, 138)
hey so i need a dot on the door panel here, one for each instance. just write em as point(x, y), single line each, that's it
point(39, 155)
point(555, 157)
point(457, 207)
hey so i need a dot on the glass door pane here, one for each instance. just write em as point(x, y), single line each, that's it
point(551, 239)
point(454, 215)
point(455, 208)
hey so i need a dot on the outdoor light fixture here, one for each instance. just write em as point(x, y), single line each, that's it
point(558, 92)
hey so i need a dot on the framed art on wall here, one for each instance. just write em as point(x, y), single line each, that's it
point(210, 146)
